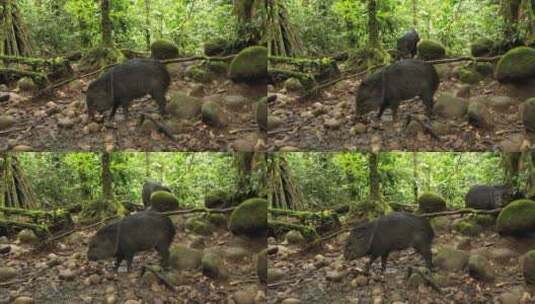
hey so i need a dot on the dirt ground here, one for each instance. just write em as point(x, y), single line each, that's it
point(59, 122)
point(323, 276)
point(327, 123)
point(63, 274)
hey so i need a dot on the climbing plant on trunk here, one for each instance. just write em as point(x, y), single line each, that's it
point(15, 189)
point(14, 34)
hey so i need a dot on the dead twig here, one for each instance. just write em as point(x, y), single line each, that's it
point(461, 211)
point(160, 276)
point(161, 127)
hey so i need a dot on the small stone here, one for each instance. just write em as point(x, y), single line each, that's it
point(22, 148)
point(23, 300)
point(360, 280)
point(67, 274)
point(333, 123)
point(93, 127)
point(111, 299)
point(244, 297)
point(291, 301)
point(95, 279)
point(6, 122)
point(7, 273)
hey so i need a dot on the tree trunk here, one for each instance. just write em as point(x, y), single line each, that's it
point(415, 13)
point(415, 175)
point(373, 163)
point(106, 178)
point(147, 165)
point(373, 25)
point(14, 39)
point(16, 191)
point(106, 24)
point(147, 24)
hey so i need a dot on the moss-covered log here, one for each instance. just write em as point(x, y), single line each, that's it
point(323, 221)
point(279, 228)
point(39, 78)
point(279, 75)
point(40, 230)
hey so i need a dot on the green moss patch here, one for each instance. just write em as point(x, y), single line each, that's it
point(516, 65)
point(517, 218)
point(250, 218)
point(430, 202)
point(250, 65)
point(431, 50)
point(163, 49)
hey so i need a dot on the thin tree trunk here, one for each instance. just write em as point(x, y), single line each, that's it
point(415, 175)
point(147, 24)
point(147, 165)
point(106, 178)
point(106, 24)
point(373, 163)
point(415, 13)
point(373, 26)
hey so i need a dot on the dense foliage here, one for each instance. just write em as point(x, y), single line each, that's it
point(328, 179)
point(58, 26)
point(60, 179)
point(331, 26)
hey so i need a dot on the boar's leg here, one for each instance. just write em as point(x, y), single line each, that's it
point(383, 262)
point(113, 109)
point(119, 259)
point(163, 250)
point(125, 109)
point(428, 102)
point(129, 260)
point(427, 255)
point(381, 110)
point(370, 262)
point(160, 99)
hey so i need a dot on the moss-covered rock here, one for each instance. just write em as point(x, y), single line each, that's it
point(430, 202)
point(199, 74)
point(485, 220)
point(27, 236)
point(528, 268)
point(217, 219)
point(517, 65)
point(528, 115)
point(26, 85)
point(450, 107)
point(431, 50)
point(7, 274)
point(480, 268)
point(183, 106)
point(479, 116)
point(250, 65)
point(199, 226)
point(183, 258)
point(213, 115)
point(470, 76)
point(212, 265)
point(216, 47)
point(486, 69)
point(293, 85)
point(217, 67)
point(481, 47)
point(163, 201)
point(451, 259)
point(100, 57)
point(250, 218)
point(517, 218)
point(6, 122)
point(440, 224)
point(216, 199)
point(294, 237)
point(163, 49)
point(467, 227)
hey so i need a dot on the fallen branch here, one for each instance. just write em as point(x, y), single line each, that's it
point(160, 276)
point(425, 277)
point(461, 211)
point(477, 59)
point(199, 210)
point(161, 127)
point(195, 58)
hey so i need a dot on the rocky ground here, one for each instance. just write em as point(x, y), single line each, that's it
point(64, 275)
point(478, 269)
point(59, 122)
point(326, 123)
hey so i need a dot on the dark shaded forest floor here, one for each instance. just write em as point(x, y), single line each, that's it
point(59, 122)
point(323, 276)
point(327, 122)
point(64, 275)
